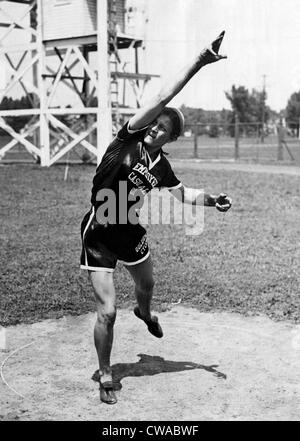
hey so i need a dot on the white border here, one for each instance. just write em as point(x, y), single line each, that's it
point(97, 268)
point(175, 187)
point(138, 261)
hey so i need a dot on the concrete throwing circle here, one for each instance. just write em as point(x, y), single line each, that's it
point(208, 366)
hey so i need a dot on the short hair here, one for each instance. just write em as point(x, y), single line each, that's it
point(177, 119)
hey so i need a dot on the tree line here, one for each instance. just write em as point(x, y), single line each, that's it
point(249, 106)
point(251, 110)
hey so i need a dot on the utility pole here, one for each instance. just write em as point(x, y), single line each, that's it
point(263, 109)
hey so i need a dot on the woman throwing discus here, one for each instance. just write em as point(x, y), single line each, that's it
point(135, 163)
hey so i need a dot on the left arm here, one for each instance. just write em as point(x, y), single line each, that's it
point(194, 196)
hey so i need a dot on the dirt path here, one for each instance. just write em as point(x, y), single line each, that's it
point(217, 366)
point(198, 164)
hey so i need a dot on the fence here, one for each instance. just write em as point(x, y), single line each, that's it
point(238, 141)
point(211, 141)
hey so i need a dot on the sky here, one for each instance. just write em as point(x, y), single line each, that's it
point(262, 38)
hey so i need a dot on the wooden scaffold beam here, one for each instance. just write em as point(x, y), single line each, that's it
point(104, 122)
point(55, 128)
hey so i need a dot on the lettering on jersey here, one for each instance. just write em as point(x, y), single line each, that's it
point(134, 179)
point(143, 170)
point(142, 245)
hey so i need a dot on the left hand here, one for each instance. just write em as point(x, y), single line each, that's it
point(223, 202)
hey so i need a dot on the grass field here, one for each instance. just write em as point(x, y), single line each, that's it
point(246, 261)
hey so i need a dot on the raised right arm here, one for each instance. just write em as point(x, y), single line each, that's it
point(150, 111)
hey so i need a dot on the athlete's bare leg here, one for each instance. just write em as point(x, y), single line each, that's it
point(105, 296)
point(142, 274)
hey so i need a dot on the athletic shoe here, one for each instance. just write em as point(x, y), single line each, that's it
point(153, 326)
point(107, 393)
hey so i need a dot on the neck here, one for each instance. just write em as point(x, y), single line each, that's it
point(153, 151)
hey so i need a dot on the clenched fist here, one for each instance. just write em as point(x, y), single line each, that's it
point(223, 202)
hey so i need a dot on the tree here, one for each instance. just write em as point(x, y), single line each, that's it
point(293, 108)
point(211, 122)
point(239, 98)
point(250, 107)
point(192, 115)
point(213, 131)
point(25, 102)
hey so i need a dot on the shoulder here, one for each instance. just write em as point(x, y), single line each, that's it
point(169, 179)
point(123, 140)
point(164, 162)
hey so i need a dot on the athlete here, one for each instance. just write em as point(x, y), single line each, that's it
point(134, 162)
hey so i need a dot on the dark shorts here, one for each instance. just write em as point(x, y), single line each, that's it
point(104, 245)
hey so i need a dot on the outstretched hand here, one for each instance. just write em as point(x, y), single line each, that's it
point(211, 54)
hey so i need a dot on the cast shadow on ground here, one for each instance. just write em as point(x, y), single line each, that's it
point(153, 365)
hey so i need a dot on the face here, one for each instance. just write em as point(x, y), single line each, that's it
point(159, 132)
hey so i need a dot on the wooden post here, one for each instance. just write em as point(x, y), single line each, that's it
point(218, 147)
point(86, 95)
point(236, 137)
point(280, 134)
point(44, 127)
point(136, 56)
point(263, 110)
point(35, 80)
point(104, 121)
point(195, 141)
point(257, 143)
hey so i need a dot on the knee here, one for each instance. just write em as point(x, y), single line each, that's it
point(106, 316)
point(105, 298)
point(146, 285)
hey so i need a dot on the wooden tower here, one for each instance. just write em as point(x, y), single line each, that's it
point(73, 49)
